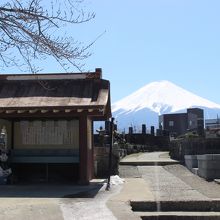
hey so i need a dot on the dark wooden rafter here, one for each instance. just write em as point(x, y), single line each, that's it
point(51, 113)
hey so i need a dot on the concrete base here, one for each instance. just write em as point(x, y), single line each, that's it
point(179, 215)
point(169, 210)
point(195, 171)
point(209, 166)
point(148, 163)
point(191, 161)
point(176, 206)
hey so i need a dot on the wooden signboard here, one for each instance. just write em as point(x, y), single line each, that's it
point(57, 133)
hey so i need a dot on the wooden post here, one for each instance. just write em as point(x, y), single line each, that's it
point(92, 153)
point(85, 149)
point(12, 134)
point(110, 154)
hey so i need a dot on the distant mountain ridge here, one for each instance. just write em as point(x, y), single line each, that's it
point(156, 98)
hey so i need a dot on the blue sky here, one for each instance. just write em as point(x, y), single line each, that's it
point(149, 40)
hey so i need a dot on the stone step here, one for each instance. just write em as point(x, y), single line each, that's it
point(217, 181)
point(179, 215)
point(180, 206)
point(148, 163)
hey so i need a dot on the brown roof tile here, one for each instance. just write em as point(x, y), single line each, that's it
point(73, 93)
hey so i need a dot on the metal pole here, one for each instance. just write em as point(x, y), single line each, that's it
point(110, 153)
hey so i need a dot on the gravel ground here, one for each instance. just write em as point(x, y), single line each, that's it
point(209, 189)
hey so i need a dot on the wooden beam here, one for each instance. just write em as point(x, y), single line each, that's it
point(90, 110)
point(56, 110)
point(68, 110)
point(79, 110)
point(44, 111)
point(32, 111)
point(21, 111)
point(9, 111)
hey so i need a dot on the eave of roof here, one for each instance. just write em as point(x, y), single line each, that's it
point(68, 93)
point(54, 76)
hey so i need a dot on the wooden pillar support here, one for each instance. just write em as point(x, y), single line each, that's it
point(12, 134)
point(85, 149)
point(92, 153)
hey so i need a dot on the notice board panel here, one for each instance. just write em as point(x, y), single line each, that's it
point(46, 134)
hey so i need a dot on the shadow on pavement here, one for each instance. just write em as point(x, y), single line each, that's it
point(50, 191)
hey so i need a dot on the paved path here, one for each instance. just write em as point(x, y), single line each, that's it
point(209, 189)
point(89, 208)
point(151, 183)
point(63, 202)
point(152, 158)
point(133, 189)
point(166, 186)
point(142, 183)
point(157, 183)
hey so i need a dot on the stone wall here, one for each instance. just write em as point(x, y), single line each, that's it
point(206, 166)
point(154, 142)
point(193, 146)
point(101, 161)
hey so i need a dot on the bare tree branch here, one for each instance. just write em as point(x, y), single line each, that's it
point(28, 27)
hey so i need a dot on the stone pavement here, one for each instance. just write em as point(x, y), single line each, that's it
point(155, 184)
point(133, 188)
point(55, 202)
point(172, 184)
point(166, 186)
point(152, 158)
point(209, 189)
point(89, 208)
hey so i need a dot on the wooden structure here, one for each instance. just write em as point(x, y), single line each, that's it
point(49, 118)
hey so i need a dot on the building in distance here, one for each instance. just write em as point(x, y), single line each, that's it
point(180, 123)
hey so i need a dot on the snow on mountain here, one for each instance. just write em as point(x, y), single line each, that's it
point(158, 98)
point(161, 97)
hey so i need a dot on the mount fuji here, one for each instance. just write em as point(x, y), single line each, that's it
point(162, 97)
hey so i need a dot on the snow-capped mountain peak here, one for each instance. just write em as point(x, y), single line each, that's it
point(161, 97)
